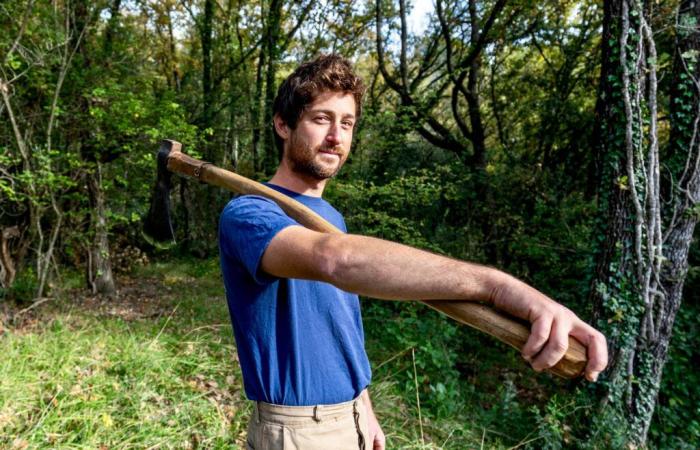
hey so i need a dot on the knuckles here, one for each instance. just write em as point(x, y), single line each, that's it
point(560, 347)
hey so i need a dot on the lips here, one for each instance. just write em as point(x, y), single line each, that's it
point(330, 152)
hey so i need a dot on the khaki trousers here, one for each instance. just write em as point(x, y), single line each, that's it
point(342, 426)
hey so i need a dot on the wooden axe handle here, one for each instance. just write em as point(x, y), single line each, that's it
point(503, 327)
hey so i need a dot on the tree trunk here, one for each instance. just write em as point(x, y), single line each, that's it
point(100, 271)
point(274, 22)
point(640, 268)
point(172, 63)
point(478, 141)
point(112, 27)
point(474, 105)
point(207, 90)
point(184, 208)
point(256, 100)
point(8, 268)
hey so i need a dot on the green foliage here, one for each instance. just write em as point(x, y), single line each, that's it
point(551, 426)
point(395, 330)
point(84, 380)
point(138, 77)
point(23, 289)
point(677, 417)
point(408, 209)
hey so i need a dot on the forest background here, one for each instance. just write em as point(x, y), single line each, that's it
point(555, 140)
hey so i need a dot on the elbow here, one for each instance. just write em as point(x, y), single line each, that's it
point(334, 258)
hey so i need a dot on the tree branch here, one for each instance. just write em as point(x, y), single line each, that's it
point(22, 29)
point(380, 52)
point(304, 14)
point(404, 37)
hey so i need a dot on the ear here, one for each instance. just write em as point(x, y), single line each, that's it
point(281, 127)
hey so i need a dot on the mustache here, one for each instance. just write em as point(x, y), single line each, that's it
point(337, 149)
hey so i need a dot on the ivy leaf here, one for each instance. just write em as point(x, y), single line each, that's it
point(692, 55)
point(622, 183)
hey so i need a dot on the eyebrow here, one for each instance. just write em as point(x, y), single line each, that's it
point(331, 113)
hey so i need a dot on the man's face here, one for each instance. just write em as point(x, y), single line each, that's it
point(320, 144)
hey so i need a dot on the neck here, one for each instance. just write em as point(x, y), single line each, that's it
point(299, 183)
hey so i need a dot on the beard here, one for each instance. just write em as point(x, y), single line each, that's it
point(302, 158)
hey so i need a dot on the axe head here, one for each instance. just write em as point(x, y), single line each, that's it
point(158, 223)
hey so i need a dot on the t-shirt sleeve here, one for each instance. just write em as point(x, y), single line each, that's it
point(246, 227)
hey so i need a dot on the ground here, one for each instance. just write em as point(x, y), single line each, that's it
point(156, 367)
point(153, 368)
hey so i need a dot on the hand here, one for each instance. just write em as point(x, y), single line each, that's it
point(376, 439)
point(376, 435)
point(551, 325)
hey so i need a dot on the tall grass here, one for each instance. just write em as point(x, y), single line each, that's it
point(157, 368)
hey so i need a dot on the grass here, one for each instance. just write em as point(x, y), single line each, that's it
point(157, 368)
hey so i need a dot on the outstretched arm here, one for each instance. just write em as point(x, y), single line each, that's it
point(387, 270)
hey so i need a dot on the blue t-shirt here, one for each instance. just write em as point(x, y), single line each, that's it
point(299, 342)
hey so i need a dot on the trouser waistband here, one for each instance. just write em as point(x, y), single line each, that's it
point(281, 413)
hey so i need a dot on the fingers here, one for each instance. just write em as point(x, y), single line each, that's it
point(379, 442)
point(549, 341)
point(556, 346)
point(539, 334)
point(597, 349)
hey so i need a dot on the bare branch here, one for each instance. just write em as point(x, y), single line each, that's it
point(19, 139)
point(302, 18)
point(22, 29)
point(458, 87)
point(404, 38)
point(380, 52)
point(67, 58)
point(478, 46)
point(444, 137)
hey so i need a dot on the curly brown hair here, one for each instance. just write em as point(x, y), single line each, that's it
point(326, 73)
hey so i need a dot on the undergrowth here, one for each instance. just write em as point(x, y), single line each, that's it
point(156, 368)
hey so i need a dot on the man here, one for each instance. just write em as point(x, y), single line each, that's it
point(297, 325)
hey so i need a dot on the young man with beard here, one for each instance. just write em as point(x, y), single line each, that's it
point(292, 292)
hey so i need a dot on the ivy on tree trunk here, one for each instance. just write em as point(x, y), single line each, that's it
point(642, 261)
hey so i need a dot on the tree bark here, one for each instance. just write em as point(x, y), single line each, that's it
point(100, 276)
point(8, 268)
point(99, 269)
point(478, 135)
point(207, 91)
point(255, 112)
point(640, 269)
point(274, 22)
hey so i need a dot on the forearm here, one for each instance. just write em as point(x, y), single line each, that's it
point(387, 270)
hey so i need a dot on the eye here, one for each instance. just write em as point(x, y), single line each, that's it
point(347, 123)
point(321, 119)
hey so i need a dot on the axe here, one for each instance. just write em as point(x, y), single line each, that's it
point(158, 225)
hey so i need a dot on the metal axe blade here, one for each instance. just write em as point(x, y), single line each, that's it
point(158, 223)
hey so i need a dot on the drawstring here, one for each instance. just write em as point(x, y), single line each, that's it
point(360, 436)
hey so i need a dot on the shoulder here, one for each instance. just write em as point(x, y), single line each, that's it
point(245, 202)
point(249, 206)
point(333, 215)
point(248, 223)
point(252, 213)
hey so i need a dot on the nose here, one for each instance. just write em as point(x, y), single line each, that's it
point(333, 136)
